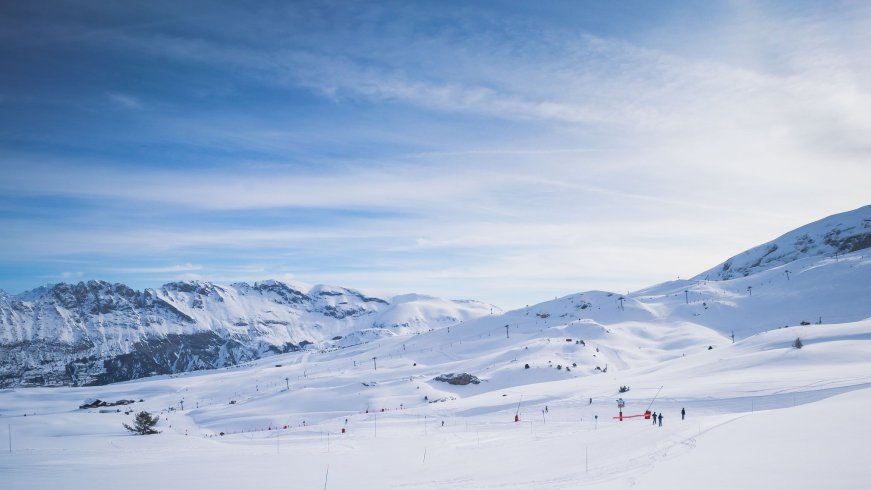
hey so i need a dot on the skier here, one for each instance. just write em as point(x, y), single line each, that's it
point(591, 401)
point(683, 413)
point(654, 418)
point(660, 419)
point(545, 409)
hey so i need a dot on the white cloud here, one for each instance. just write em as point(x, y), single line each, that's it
point(125, 101)
point(187, 267)
point(576, 155)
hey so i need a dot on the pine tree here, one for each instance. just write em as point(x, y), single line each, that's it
point(143, 424)
point(798, 344)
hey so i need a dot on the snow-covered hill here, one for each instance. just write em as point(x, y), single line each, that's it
point(787, 417)
point(832, 236)
point(97, 332)
point(760, 411)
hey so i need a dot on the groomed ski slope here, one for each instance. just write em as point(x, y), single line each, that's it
point(760, 414)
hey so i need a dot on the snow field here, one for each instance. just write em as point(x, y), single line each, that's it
point(760, 404)
point(760, 413)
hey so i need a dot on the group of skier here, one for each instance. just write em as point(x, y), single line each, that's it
point(657, 418)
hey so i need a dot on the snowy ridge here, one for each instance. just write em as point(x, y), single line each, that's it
point(97, 332)
point(100, 332)
point(835, 235)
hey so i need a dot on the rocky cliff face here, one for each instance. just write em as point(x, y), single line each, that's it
point(95, 332)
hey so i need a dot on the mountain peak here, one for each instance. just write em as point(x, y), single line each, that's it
point(99, 332)
point(193, 286)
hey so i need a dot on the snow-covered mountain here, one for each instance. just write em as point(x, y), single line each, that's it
point(549, 375)
point(97, 332)
point(835, 235)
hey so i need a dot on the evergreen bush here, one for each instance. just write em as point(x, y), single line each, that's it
point(143, 424)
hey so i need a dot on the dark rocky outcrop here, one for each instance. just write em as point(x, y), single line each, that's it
point(97, 403)
point(461, 379)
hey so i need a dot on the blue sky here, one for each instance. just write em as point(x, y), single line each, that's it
point(503, 151)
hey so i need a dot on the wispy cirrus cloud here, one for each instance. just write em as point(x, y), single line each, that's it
point(177, 268)
point(124, 101)
point(423, 148)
